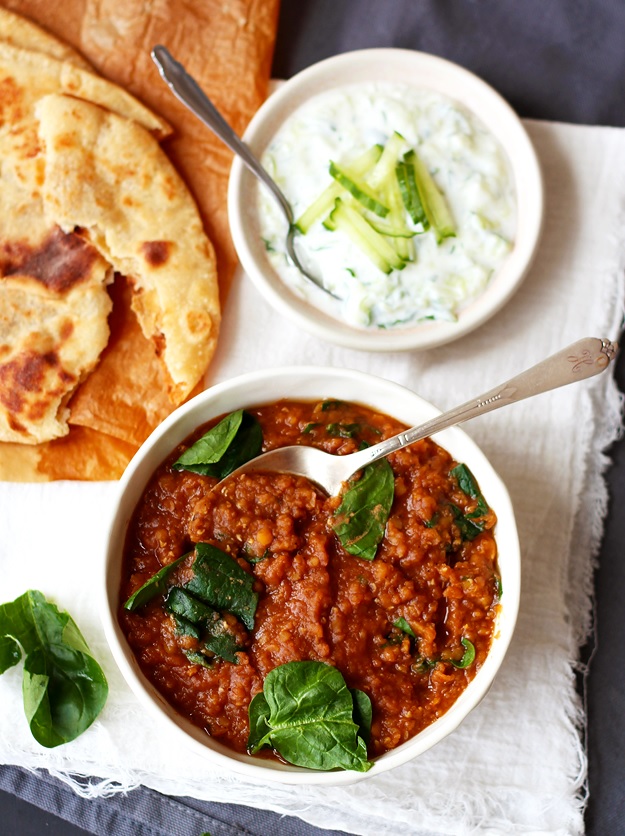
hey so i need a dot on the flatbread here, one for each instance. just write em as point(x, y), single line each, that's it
point(27, 75)
point(53, 299)
point(228, 48)
point(109, 177)
point(53, 327)
point(18, 31)
point(129, 419)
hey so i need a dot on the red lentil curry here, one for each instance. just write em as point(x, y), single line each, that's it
point(397, 610)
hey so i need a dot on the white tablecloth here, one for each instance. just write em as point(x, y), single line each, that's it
point(517, 764)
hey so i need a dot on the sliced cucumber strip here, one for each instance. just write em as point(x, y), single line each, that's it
point(384, 170)
point(358, 189)
point(397, 218)
point(406, 179)
point(433, 201)
point(318, 208)
point(388, 227)
point(325, 202)
point(348, 220)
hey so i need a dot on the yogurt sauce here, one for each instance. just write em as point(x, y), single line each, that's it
point(468, 165)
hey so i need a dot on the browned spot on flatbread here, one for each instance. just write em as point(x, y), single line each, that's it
point(11, 98)
point(199, 322)
point(65, 141)
point(60, 262)
point(159, 344)
point(25, 375)
point(156, 253)
point(16, 426)
point(67, 329)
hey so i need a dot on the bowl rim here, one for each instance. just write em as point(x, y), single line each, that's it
point(177, 426)
point(445, 77)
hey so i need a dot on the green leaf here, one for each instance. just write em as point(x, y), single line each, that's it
point(236, 439)
point(219, 581)
point(156, 585)
point(468, 484)
point(343, 430)
point(220, 641)
point(468, 657)
point(196, 657)
point(183, 605)
point(362, 713)
point(260, 729)
point(360, 519)
point(186, 628)
point(63, 688)
point(306, 713)
point(403, 625)
point(469, 529)
point(213, 632)
point(10, 653)
point(423, 665)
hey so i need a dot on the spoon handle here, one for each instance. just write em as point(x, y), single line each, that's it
point(189, 92)
point(579, 361)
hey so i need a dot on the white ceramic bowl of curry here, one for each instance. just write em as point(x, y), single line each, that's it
point(337, 111)
point(396, 650)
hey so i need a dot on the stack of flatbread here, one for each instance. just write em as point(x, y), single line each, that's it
point(109, 298)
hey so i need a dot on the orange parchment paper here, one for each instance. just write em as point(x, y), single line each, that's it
point(227, 45)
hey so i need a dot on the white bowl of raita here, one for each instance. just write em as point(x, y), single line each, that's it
point(417, 198)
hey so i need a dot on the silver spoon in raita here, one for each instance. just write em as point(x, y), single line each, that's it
point(186, 89)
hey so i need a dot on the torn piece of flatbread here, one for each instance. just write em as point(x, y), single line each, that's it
point(20, 32)
point(109, 177)
point(26, 76)
point(53, 299)
point(53, 328)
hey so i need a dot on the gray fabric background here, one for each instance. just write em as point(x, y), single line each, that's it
point(552, 59)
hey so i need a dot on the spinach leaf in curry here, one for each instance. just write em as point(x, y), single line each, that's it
point(217, 584)
point(468, 656)
point(236, 439)
point(156, 585)
point(469, 525)
point(219, 581)
point(360, 519)
point(64, 688)
point(193, 617)
point(307, 713)
point(403, 625)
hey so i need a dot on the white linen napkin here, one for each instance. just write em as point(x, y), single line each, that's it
point(517, 764)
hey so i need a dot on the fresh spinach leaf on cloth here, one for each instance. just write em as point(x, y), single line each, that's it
point(307, 713)
point(236, 439)
point(360, 519)
point(64, 688)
